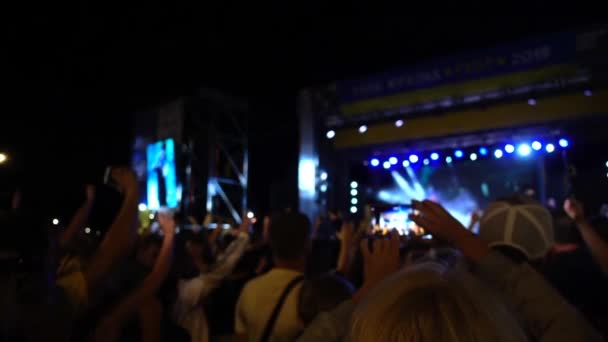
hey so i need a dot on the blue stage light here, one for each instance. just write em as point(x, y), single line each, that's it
point(509, 148)
point(473, 156)
point(563, 143)
point(386, 165)
point(458, 154)
point(375, 162)
point(448, 159)
point(406, 163)
point(434, 156)
point(550, 148)
point(413, 158)
point(524, 150)
point(426, 161)
point(498, 154)
point(393, 160)
point(536, 145)
point(483, 151)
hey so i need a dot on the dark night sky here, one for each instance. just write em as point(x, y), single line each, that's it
point(84, 67)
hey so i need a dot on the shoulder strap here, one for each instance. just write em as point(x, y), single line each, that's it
point(277, 309)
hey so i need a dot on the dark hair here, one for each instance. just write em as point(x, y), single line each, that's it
point(289, 235)
point(322, 293)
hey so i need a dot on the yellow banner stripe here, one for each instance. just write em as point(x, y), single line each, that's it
point(459, 89)
point(564, 107)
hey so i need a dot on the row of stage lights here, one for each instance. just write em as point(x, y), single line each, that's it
point(523, 149)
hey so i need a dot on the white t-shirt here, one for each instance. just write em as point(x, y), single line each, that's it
point(258, 299)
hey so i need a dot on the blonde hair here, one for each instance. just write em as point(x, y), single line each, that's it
point(429, 303)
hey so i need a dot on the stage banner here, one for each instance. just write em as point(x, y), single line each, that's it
point(489, 69)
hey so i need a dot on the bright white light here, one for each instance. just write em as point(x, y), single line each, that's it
point(413, 159)
point(362, 129)
point(142, 207)
point(399, 123)
point(353, 209)
point(524, 150)
point(354, 184)
point(323, 188)
point(354, 192)
point(250, 215)
point(536, 145)
point(354, 201)
point(386, 165)
point(473, 156)
point(393, 160)
point(330, 134)
point(425, 161)
point(498, 154)
point(509, 148)
point(434, 155)
point(550, 148)
point(563, 143)
point(323, 176)
point(306, 177)
point(607, 164)
point(375, 162)
point(87, 230)
point(3, 158)
point(406, 163)
point(55, 222)
point(151, 216)
point(448, 159)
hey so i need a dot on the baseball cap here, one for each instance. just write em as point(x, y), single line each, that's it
point(518, 222)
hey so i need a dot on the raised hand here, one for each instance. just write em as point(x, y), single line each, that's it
point(167, 223)
point(436, 220)
point(90, 193)
point(574, 209)
point(125, 179)
point(382, 261)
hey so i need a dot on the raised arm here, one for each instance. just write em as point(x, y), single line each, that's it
point(597, 245)
point(79, 219)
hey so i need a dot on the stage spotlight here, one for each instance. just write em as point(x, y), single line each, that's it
point(362, 129)
point(563, 143)
point(483, 151)
point(413, 158)
point(354, 184)
point(353, 209)
point(498, 154)
point(406, 163)
point(434, 156)
point(532, 102)
point(509, 148)
point(473, 156)
point(55, 222)
point(524, 150)
point(354, 201)
point(354, 192)
point(448, 159)
point(375, 162)
point(393, 160)
point(550, 148)
point(250, 215)
point(536, 145)
point(607, 164)
point(588, 92)
point(386, 165)
point(399, 123)
point(458, 154)
point(330, 134)
point(323, 188)
point(151, 216)
point(142, 207)
point(323, 176)
point(425, 161)
point(3, 158)
point(87, 230)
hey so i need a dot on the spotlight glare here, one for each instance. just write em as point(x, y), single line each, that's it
point(524, 150)
point(458, 153)
point(250, 215)
point(448, 159)
point(406, 163)
point(330, 134)
point(607, 164)
point(362, 129)
point(354, 184)
point(151, 216)
point(354, 192)
point(323, 188)
point(509, 148)
point(323, 176)
point(498, 154)
point(354, 201)
point(483, 151)
point(563, 143)
point(55, 222)
point(413, 158)
point(142, 207)
point(588, 92)
point(353, 209)
point(399, 123)
point(532, 102)
point(426, 161)
point(473, 156)
point(87, 230)
point(434, 156)
point(386, 165)
point(550, 148)
point(3, 158)
point(536, 145)
point(375, 162)
point(393, 160)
